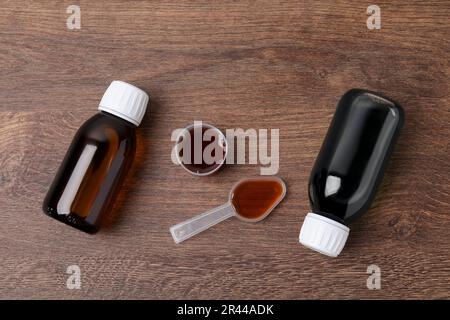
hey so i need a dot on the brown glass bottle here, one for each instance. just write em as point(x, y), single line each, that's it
point(98, 160)
point(349, 167)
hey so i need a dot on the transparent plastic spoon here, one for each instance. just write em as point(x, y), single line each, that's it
point(250, 200)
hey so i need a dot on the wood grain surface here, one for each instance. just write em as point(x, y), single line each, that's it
point(235, 64)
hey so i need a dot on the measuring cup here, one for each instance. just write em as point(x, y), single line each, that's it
point(250, 200)
point(205, 131)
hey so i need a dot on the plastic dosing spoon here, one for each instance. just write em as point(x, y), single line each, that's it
point(250, 200)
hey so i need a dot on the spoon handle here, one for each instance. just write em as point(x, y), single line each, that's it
point(197, 224)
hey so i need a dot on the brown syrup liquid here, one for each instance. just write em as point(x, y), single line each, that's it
point(201, 167)
point(255, 197)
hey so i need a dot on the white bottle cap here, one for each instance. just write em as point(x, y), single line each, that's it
point(323, 234)
point(125, 101)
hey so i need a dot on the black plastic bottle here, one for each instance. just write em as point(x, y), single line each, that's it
point(98, 160)
point(349, 167)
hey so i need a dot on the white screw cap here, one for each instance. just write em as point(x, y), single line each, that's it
point(125, 101)
point(323, 235)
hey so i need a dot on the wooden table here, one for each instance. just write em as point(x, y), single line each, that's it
point(234, 64)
